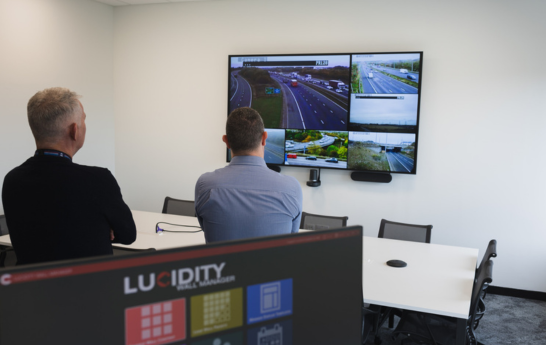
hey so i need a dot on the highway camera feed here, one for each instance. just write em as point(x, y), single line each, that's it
point(274, 146)
point(385, 73)
point(384, 93)
point(392, 152)
point(322, 149)
point(296, 92)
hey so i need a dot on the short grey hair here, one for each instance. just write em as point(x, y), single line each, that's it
point(49, 109)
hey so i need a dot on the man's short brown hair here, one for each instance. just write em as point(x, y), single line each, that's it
point(244, 130)
point(49, 109)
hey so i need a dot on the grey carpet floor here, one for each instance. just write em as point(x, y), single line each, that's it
point(508, 320)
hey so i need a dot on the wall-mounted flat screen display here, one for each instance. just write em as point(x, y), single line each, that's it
point(355, 111)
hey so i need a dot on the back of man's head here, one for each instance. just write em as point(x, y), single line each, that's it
point(50, 111)
point(244, 130)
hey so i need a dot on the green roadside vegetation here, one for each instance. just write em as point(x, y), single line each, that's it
point(412, 66)
point(363, 157)
point(268, 105)
point(409, 151)
point(303, 136)
point(270, 109)
point(356, 82)
point(336, 150)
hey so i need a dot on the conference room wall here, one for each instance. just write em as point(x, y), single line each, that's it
point(50, 43)
point(480, 175)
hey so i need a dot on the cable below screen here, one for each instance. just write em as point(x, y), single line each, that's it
point(158, 229)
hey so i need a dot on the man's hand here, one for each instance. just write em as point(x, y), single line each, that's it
point(112, 235)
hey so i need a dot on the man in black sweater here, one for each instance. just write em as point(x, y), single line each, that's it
point(56, 209)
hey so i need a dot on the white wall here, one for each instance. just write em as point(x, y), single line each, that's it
point(46, 43)
point(480, 172)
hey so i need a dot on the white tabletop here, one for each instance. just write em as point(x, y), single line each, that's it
point(147, 238)
point(438, 279)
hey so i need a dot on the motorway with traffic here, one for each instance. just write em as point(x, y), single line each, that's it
point(383, 84)
point(309, 109)
point(319, 163)
point(240, 92)
point(273, 153)
point(399, 162)
point(396, 72)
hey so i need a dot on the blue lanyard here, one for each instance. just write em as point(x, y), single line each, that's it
point(52, 153)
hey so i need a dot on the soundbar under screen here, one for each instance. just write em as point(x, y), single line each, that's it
point(290, 289)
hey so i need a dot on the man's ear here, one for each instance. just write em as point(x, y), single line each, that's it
point(224, 139)
point(73, 131)
point(264, 138)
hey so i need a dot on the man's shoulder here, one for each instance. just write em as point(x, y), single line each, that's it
point(253, 177)
point(92, 170)
point(285, 183)
point(59, 169)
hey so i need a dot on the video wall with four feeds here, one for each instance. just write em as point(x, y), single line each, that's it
point(357, 111)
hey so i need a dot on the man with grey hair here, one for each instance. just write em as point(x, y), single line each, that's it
point(56, 209)
point(246, 198)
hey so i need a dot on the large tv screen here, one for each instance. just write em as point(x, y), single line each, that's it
point(355, 111)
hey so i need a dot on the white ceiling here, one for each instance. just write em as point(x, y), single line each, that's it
point(140, 2)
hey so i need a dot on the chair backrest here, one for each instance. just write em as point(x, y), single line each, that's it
point(318, 222)
point(485, 277)
point(405, 232)
point(179, 207)
point(490, 252)
point(3, 225)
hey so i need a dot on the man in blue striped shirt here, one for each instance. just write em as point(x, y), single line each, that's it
point(246, 198)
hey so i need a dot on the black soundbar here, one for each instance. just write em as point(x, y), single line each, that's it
point(371, 177)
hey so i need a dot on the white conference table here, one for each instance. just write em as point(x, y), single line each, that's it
point(146, 236)
point(438, 279)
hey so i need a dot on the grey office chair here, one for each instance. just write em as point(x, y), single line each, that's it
point(8, 258)
point(405, 232)
point(179, 207)
point(3, 225)
point(434, 329)
point(490, 252)
point(318, 222)
point(7, 254)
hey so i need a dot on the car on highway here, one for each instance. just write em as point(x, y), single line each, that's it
point(329, 87)
point(292, 155)
point(339, 90)
point(412, 77)
point(311, 158)
point(332, 160)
